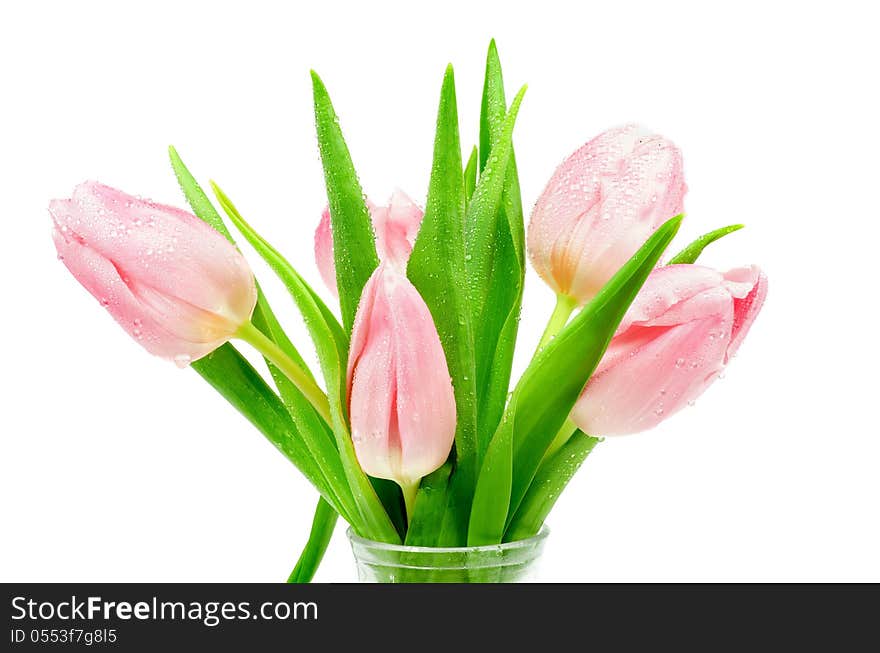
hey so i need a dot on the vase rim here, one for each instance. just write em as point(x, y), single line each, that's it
point(404, 548)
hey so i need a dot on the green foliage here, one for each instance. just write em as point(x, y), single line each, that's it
point(470, 175)
point(551, 384)
point(501, 279)
point(437, 269)
point(354, 247)
point(323, 524)
point(241, 385)
point(552, 478)
point(492, 495)
point(430, 507)
point(468, 263)
point(690, 253)
point(371, 520)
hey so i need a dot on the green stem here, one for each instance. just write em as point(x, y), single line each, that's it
point(558, 319)
point(259, 341)
point(409, 498)
point(561, 312)
point(562, 436)
point(323, 524)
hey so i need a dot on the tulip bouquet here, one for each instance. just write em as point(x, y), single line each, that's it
point(414, 436)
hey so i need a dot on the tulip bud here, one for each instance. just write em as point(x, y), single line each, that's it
point(675, 339)
point(401, 401)
point(171, 281)
point(396, 227)
point(600, 206)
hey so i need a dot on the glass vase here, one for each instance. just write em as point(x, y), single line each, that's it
point(510, 562)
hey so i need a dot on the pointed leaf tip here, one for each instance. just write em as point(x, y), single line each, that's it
point(318, 84)
point(355, 250)
point(216, 188)
point(492, 58)
point(692, 252)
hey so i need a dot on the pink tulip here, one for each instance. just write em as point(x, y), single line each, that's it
point(601, 204)
point(395, 226)
point(172, 282)
point(677, 337)
point(401, 402)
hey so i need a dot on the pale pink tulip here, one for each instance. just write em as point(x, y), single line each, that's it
point(401, 402)
point(676, 339)
point(171, 281)
point(396, 227)
point(600, 206)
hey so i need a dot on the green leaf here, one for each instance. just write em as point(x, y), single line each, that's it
point(690, 253)
point(241, 385)
point(264, 317)
point(470, 175)
point(198, 200)
point(492, 495)
point(374, 522)
point(482, 212)
point(459, 497)
point(493, 106)
point(556, 376)
point(324, 470)
point(392, 499)
point(496, 330)
point(323, 524)
point(319, 440)
point(437, 269)
point(316, 435)
point(354, 247)
point(551, 479)
point(430, 507)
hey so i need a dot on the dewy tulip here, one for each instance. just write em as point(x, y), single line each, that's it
point(401, 402)
point(676, 339)
point(395, 226)
point(600, 206)
point(171, 281)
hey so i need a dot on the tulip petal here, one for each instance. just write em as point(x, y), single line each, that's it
point(675, 339)
point(571, 193)
point(666, 367)
point(372, 391)
point(163, 246)
point(665, 288)
point(163, 273)
point(647, 190)
point(402, 406)
point(742, 281)
point(396, 227)
point(745, 306)
point(425, 399)
point(362, 322)
point(324, 252)
point(102, 279)
point(600, 205)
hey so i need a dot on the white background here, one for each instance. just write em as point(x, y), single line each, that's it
point(117, 466)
